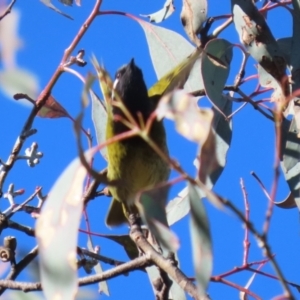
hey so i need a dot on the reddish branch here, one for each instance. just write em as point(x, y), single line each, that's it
point(45, 94)
point(8, 10)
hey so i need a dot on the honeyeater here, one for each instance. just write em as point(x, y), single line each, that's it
point(132, 163)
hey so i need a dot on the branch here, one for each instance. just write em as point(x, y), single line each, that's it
point(236, 286)
point(17, 269)
point(262, 242)
point(8, 10)
point(99, 257)
point(26, 229)
point(45, 94)
point(166, 265)
point(136, 264)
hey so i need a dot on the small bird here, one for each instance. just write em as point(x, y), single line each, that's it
point(132, 162)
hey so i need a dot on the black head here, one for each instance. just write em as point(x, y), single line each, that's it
point(130, 86)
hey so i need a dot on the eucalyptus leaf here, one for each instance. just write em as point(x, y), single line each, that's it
point(295, 59)
point(285, 45)
point(258, 39)
point(151, 205)
point(99, 117)
point(103, 286)
point(13, 81)
point(163, 13)
point(290, 163)
point(166, 55)
point(179, 207)
point(49, 4)
point(57, 232)
point(215, 75)
point(201, 240)
point(193, 15)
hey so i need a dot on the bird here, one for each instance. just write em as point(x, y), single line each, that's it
point(132, 162)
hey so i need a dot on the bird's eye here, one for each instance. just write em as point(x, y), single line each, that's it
point(118, 75)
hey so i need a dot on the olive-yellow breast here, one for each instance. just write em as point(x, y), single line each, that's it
point(132, 163)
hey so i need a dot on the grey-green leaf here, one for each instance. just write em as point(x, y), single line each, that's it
point(151, 206)
point(57, 232)
point(291, 163)
point(166, 55)
point(179, 207)
point(193, 15)
point(258, 39)
point(18, 80)
point(103, 286)
point(201, 240)
point(163, 13)
point(99, 117)
point(215, 74)
point(53, 7)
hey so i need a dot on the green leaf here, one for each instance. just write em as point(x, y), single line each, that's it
point(290, 163)
point(103, 286)
point(57, 231)
point(151, 206)
point(10, 40)
point(291, 151)
point(268, 81)
point(285, 45)
point(99, 117)
point(223, 131)
point(53, 7)
point(166, 55)
point(201, 240)
point(295, 58)
point(295, 45)
point(163, 13)
point(288, 202)
point(258, 39)
point(191, 121)
point(179, 207)
point(15, 81)
point(19, 295)
point(152, 209)
point(215, 69)
point(193, 15)
point(67, 2)
point(125, 241)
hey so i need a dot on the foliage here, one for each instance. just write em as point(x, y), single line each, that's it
point(190, 70)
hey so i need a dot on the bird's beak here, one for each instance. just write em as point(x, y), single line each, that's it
point(132, 64)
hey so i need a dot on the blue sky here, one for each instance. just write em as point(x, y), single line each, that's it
point(114, 40)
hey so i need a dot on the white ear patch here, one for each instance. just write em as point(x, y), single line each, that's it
point(115, 83)
point(114, 87)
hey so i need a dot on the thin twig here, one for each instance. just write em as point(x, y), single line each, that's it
point(45, 94)
point(254, 104)
point(261, 185)
point(8, 9)
point(136, 264)
point(246, 267)
point(18, 268)
point(262, 242)
point(297, 286)
point(26, 229)
point(22, 205)
point(247, 213)
point(99, 257)
point(236, 286)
